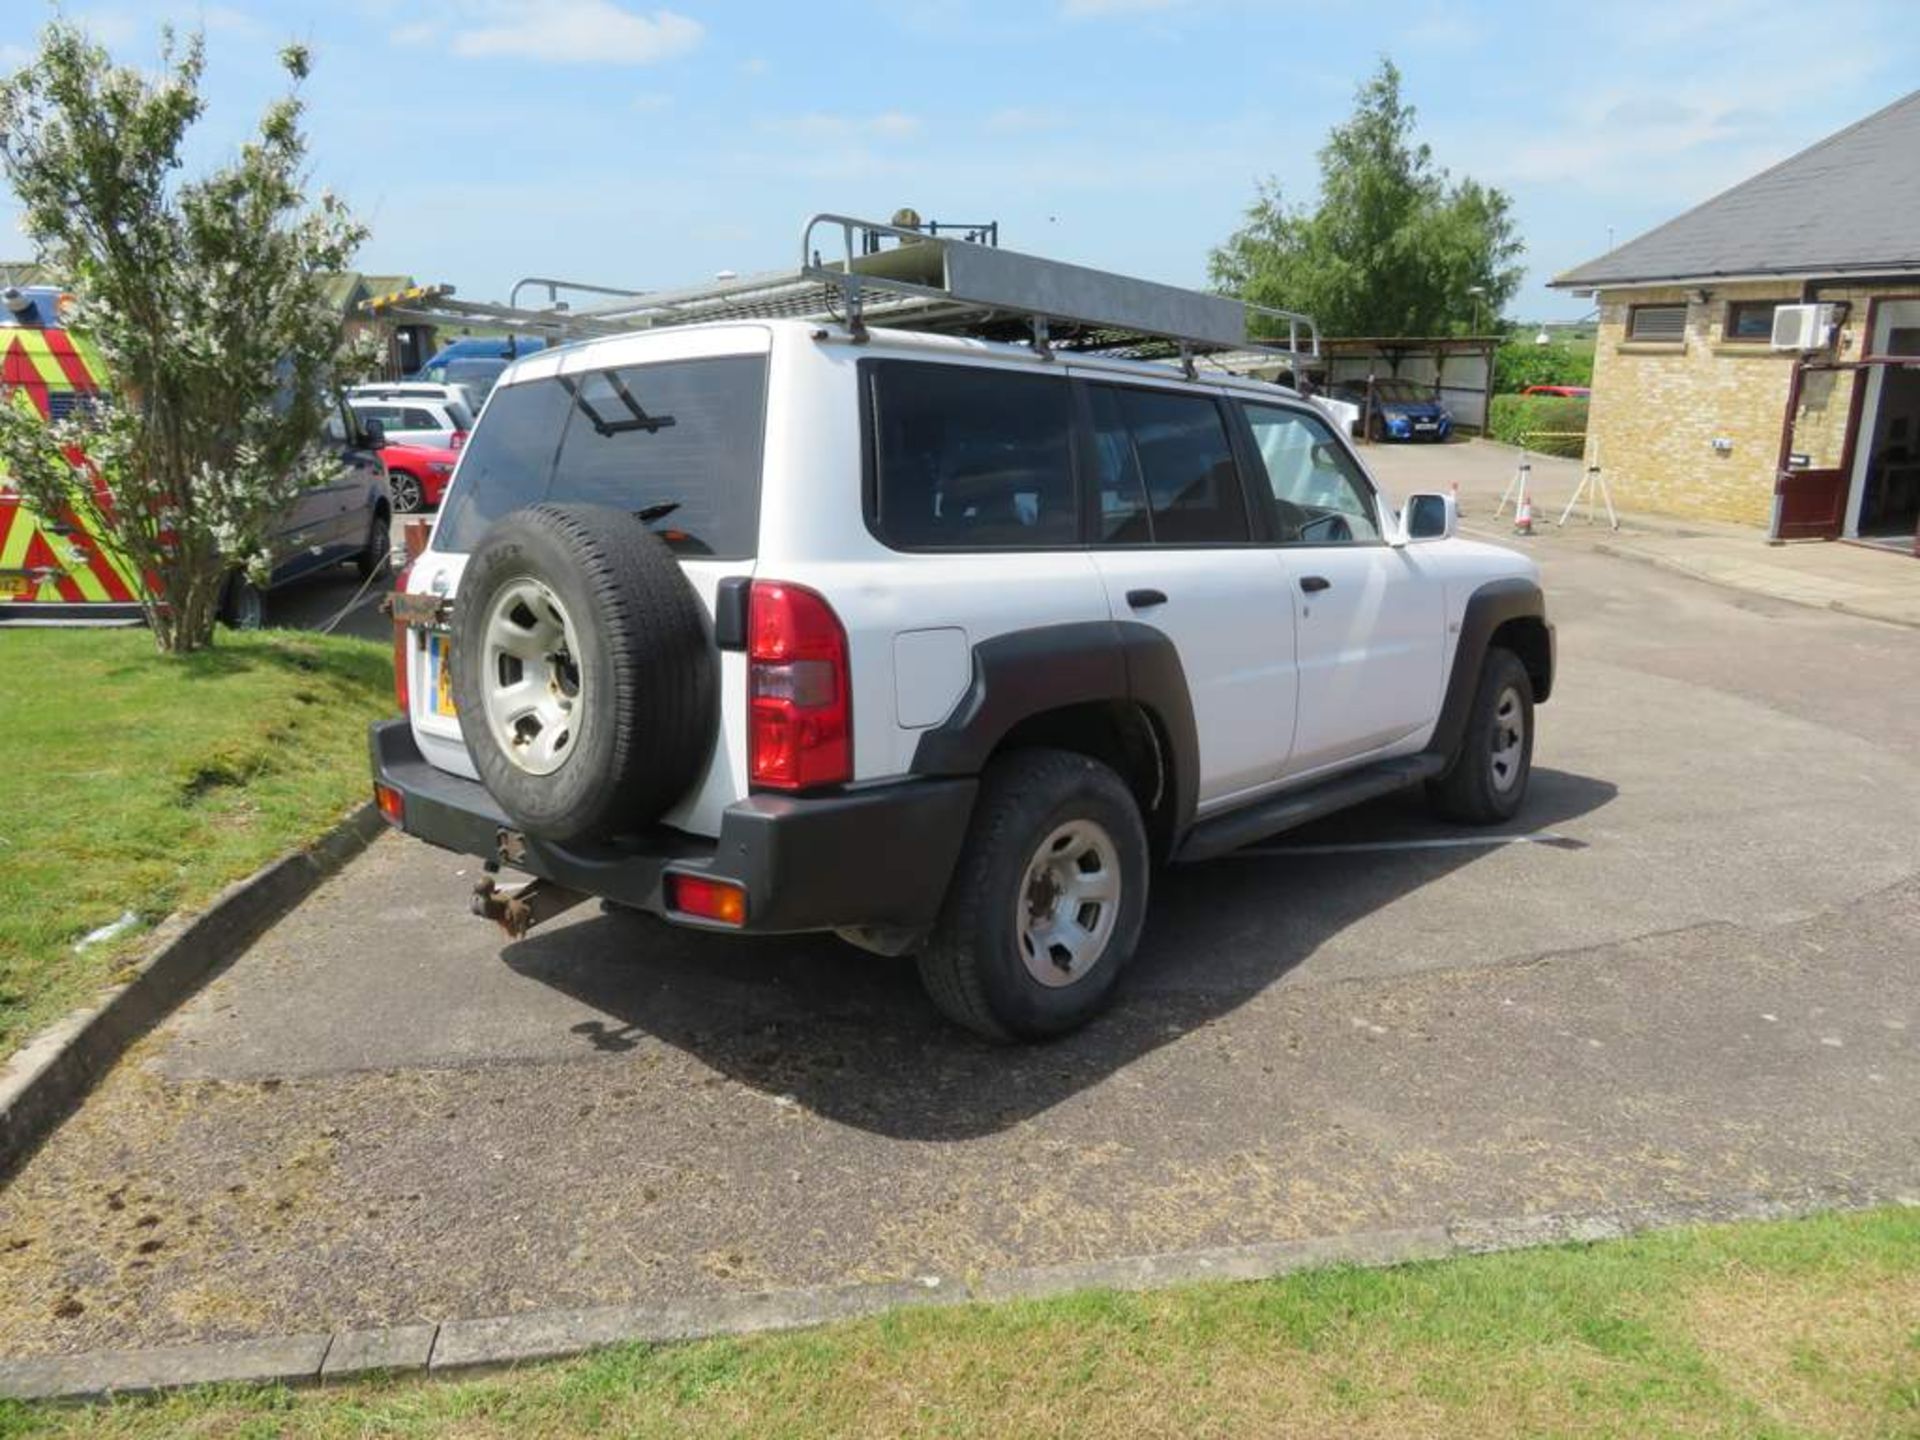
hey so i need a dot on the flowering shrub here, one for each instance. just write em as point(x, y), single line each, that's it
point(206, 300)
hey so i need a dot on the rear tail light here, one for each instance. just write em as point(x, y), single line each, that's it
point(413, 542)
point(720, 900)
point(459, 439)
point(393, 805)
point(402, 694)
point(800, 719)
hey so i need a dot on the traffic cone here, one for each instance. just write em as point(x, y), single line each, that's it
point(1523, 517)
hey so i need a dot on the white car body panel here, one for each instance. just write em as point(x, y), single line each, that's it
point(1285, 687)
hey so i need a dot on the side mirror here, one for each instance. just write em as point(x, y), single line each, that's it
point(373, 434)
point(1430, 517)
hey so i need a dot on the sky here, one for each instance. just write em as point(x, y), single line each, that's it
point(641, 146)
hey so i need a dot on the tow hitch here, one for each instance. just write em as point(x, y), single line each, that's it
point(518, 910)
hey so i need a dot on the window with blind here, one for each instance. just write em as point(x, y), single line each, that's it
point(1657, 322)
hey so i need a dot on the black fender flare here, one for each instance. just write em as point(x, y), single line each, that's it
point(1029, 672)
point(1488, 608)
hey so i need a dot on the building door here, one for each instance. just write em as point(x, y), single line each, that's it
point(1810, 486)
point(1883, 499)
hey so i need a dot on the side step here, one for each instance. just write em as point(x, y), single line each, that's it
point(1296, 807)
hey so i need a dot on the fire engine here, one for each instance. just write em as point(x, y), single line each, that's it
point(52, 565)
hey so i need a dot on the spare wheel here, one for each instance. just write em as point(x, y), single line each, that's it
point(583, 674)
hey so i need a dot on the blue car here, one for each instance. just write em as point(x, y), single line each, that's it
point(475, 364)
point(1401, 410)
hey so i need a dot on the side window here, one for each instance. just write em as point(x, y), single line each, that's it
point(1169, 453)
point(419, 420)
point(1319, 495)
point(969, 458)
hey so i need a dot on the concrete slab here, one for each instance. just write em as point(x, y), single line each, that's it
point(515, 1339)
point(362, 1352)
point(284, 1358)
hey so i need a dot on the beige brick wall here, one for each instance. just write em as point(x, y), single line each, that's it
point(1658, 408)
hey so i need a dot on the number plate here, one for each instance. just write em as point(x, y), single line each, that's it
point(440, 658)
point(17, 587)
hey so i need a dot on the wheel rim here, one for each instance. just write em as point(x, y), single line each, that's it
point(532, 685)
point(406, 491)
point(1068, 903)
point(1509, 739)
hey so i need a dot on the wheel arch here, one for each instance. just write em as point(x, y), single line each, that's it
point(1114, 691)
point(1512, 613)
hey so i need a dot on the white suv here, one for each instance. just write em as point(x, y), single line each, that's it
point(938, 643)
point(411, 418)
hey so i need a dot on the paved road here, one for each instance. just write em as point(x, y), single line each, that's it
point(1705, 985)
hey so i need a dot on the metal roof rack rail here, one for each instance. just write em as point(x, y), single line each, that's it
point(924, 280)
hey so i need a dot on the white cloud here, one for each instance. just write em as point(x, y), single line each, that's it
point(111, 28)
point(754, 66)
point(1088, 9)
point(821, 125)
point(586, 32)
point(1023, 120)
point(227, 18)
point(420, 32)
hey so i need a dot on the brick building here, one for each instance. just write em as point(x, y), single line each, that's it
point(1700, 408)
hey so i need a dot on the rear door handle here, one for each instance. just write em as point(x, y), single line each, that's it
point(1146, 599)
point(1311, 583)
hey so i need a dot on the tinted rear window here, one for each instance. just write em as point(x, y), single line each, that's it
point(968, 458)
point(686, 433)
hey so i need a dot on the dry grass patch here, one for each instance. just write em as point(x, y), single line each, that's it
point(1827, 1355)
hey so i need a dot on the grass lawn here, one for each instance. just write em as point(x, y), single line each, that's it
point(133, 782)
point(1802, 1328)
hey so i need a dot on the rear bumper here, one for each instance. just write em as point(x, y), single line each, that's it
point(878, 858)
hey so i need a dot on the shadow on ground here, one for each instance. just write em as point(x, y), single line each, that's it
point(851, 1037)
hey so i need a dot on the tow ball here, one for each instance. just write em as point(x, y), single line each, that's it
point(519, 909)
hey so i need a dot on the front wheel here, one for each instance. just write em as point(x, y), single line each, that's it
point(1046, 903)
point(405, 489)
point(1488, 780)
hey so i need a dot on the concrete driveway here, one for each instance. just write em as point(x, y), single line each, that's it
point(1691, 975)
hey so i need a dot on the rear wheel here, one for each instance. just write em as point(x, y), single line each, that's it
point(244, 606)
point(373, 554)
point(1488, 781)
point(1046, 904)
point(405, 488)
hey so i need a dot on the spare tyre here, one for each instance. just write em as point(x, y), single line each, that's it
point(583, 674)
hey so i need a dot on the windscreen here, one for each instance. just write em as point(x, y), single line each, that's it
point(678, 443)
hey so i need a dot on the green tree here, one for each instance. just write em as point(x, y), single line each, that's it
point(1394, 247)
point(205, 298)
point(1520, 362)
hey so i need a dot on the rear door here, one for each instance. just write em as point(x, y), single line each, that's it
point(678, 440)
point(1371, 617)
point(1175, 546)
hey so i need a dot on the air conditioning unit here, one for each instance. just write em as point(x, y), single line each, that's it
point(1803, 327)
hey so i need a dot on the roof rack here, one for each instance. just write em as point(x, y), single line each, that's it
point(923, 280)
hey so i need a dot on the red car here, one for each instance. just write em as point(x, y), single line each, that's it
point(1568, 392)
point(417, 475)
